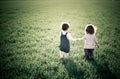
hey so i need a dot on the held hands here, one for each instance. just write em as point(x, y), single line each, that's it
point(77, 39)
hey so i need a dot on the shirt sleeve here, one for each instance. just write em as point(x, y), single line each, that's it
point(69, 37)
point(82, 38)
point(60, 34)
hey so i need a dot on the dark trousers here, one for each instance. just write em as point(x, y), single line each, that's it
point(89, 54)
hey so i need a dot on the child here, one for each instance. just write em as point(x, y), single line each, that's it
point(90, 41)
point(65, 36)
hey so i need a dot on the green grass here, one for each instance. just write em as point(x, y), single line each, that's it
point(29, 39)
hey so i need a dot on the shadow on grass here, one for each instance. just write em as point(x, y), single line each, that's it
point(103, 71)
point(72, 69)
point(40, 75)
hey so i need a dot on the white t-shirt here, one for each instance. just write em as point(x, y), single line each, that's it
point(90, 41)
point(69, 36)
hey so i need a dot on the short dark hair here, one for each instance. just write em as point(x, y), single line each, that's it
point(65, 26)
point(90, 29)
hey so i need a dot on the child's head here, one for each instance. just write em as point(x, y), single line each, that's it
point(90, 29)
point(65, 27)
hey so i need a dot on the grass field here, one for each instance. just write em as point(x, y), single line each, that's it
point(29, 39)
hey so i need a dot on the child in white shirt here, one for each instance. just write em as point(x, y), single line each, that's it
point(65, 37)
point(90, 41)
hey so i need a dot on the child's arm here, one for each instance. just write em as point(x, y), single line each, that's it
point(81, 39)
point(69, 36)
point(96, 42)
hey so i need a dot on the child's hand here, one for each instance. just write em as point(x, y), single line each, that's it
point(97, 46)
point(77, 39)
